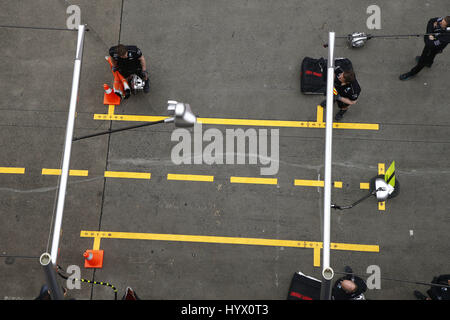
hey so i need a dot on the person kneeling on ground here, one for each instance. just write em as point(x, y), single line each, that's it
point(129, 60)
point(347, 91)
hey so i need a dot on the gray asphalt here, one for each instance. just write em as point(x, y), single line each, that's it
point(239, 60)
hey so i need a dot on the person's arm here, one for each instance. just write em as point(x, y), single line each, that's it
point(143, 63)
point(351, 97)
point(442, 279)
point(144, 66)
point(112, 52)
point(346, 100)
point(432, 23)
point(442, 39)
point(362, 287)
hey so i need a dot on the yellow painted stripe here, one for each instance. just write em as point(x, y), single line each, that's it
point(111, 109)
point(226, 240)
point(81, 173)
point(253, 180)
point(190, 177)
point(338, 184)
point(360, 126)
point(319, 114)
point(128, 117)
point(236, 122)
point(250, 122)
point(244, 122)
point(51, 172)
point(316, 257)
point(13, 170)
point(381, 168)
point(364, 185)
point(309, 183)
point(355, 247)
point(315, 183)
point(132, 175)
point(57, 172)
point(317, 124)
point(96, 243)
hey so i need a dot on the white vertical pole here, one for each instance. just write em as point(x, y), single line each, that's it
point(68, 145)
point(327, 271)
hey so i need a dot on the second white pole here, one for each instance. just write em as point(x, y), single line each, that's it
point(327, 271)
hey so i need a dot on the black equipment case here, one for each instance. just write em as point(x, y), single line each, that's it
point(304, 287)
point(313, 74)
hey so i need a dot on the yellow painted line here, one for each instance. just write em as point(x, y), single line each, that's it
point(364, 185)
point(244, 122)
point(12, 170)
point(96, 243)
point(227, 240)
point(250, 122)
point(319, 114)
point(190, 177)
point(132, 175)
point(381, 168)
point(313, 124)
point(111, 109)
point(253, 180)
point(338, 184)
point(355, 247)
point(203, 239)
point(57, 172)
point(315, 183)
point(127, 117)
point(316, 257)
point(359, 126)
point(309, 183)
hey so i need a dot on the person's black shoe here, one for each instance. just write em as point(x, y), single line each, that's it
point(419, 295)
point(405, 76)
point(147, 86)
point(127, 93)
point(339, 115)
point(323, 104)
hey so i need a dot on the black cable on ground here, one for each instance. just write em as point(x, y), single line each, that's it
point(399, 280)
point(91, 282)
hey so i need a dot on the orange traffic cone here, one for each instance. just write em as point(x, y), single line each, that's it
point(93, 258)
point(110, 97)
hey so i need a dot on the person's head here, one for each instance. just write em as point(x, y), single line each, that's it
point(122, 51)
point(445, 22)
point(348, 286)
point(347, 77)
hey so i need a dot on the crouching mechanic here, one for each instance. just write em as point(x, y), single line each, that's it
point(129, 60)
point(346, 93)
